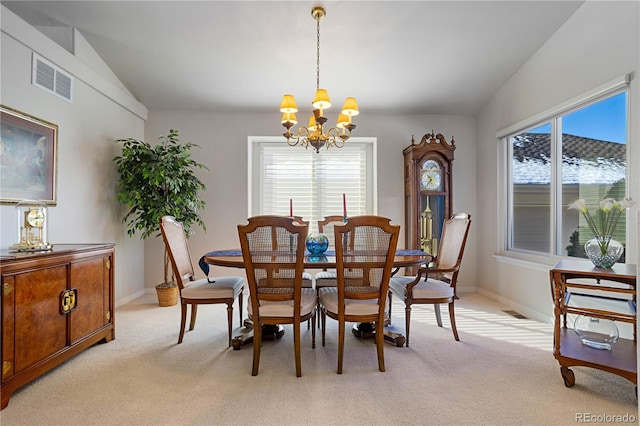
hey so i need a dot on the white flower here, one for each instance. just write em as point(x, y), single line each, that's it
point(580, 205)
point(626, 203)
point(607, 204)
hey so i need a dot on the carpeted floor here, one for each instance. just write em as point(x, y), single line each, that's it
point(502, 372)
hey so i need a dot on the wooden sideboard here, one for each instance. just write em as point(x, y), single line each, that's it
point(54, 305)
point(578, 277)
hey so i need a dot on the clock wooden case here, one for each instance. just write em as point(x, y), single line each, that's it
point(428, 168)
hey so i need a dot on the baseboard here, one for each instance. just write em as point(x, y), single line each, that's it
point(526, 311)
point(132, 297)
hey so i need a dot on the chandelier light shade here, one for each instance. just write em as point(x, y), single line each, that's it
point(314, 133)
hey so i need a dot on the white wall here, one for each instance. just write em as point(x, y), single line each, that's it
point(599, 43)
point(223, 149)
point(86, 210)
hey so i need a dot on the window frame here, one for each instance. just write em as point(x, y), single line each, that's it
point(505, 184)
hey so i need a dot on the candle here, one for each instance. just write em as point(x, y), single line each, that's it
point(344, 205)
point(291, 207)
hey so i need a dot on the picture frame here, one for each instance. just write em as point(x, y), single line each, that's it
point(28, 158)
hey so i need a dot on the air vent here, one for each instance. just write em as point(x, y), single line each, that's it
point(51, 78)
point(515, 314)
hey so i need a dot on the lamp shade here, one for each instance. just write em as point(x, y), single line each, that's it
point(288, 104)
point(350, 107)
point(289, 117)
point(312, 124)
point(343, 120)
point(321, 100)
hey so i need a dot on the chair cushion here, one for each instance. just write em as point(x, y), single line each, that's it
point(326, 279)
point(431, 289)
point(275, 308)
point(329, 299)
point(307, 280)
point(220, 288)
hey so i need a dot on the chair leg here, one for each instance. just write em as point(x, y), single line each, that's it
point(257, 342)
point(380, 344)
point(240, 307)
point(230, 319)
point(436, 307)
point(323, 317)
point(340, 344)
point(183, 320)
point(313, 330)
point(194, 312)
point(296, 347)
point(452, 318)
point(389, 295)
point(407, 321)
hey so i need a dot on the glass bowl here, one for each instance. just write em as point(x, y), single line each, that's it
point(598, 333)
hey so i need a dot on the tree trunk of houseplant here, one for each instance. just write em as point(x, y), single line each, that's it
point(168, 291)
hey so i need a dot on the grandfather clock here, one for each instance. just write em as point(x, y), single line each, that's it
point(428, 177)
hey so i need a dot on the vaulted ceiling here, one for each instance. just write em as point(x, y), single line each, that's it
point(435, 57)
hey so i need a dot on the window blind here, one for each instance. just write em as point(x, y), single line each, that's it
point(313, 183)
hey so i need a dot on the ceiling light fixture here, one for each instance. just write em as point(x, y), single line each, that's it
point(313, 134)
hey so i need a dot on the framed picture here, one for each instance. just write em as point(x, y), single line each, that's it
point(28, 151)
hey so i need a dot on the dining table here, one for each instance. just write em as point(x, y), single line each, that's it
point(232, 258)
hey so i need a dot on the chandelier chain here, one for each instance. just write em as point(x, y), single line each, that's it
point(318, 52)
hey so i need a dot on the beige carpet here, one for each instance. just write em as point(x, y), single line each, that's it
point(502, 372)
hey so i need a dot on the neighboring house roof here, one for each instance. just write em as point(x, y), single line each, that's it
point(584, 160)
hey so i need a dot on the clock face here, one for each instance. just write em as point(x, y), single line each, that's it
point(431, 176)
point(35, 218)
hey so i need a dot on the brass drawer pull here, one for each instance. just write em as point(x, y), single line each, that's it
point(68, 300)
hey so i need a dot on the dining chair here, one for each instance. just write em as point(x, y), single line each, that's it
point(327, 277)
point(439, 282)
point(273, 255)
point(197, 292)
point(365, 250)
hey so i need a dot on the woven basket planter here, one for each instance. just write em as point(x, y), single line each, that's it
point(167, 296)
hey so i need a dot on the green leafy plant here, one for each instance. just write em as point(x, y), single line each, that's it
point(156, 181)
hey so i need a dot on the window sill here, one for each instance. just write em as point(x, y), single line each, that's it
point(528, 261)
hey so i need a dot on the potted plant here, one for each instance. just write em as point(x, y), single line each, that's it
point(156, 181)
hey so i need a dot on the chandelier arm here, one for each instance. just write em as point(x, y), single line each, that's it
point(301, 137)
point(336, 139)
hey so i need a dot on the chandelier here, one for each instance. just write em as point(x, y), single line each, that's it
point(314, 134)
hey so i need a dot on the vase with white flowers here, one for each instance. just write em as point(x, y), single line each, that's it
point(603, 250)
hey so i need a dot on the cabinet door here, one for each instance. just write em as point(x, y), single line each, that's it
point(88, 277)
point(40, 327)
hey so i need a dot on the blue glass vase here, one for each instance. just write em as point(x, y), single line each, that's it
point(317, 243)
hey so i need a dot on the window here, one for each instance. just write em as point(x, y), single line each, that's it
point(578, 152)
point(313, 182)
